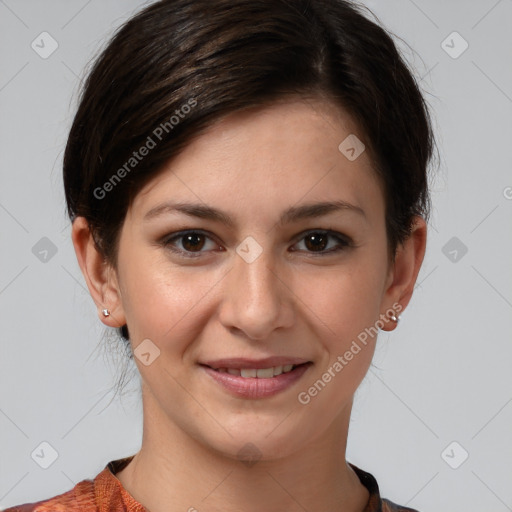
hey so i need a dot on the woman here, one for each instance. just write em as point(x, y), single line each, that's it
point(247, 183)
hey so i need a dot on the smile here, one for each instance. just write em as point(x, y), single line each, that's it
point(259, 373)
point(257, 383)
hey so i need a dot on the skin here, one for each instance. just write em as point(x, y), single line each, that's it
point(290, 301)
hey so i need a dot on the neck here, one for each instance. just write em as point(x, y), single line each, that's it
point(172, 471)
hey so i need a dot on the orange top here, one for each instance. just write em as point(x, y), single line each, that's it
point(106, 494)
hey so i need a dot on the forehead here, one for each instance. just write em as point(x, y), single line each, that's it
point(270, 158)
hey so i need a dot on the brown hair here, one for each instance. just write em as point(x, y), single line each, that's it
point(177, 66)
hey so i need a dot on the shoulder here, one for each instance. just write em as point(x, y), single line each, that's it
point(376, 503)
point(105, 492)
point(79, 499)
point(389, 506)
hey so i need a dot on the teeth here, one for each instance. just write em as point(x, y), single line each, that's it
point(278, 370)
point(266, 373)
point(260, 373)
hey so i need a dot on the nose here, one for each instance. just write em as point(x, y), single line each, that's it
point(255, 299)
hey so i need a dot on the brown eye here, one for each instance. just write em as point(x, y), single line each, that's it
point(319, 241)
point(316, 241)
point(193, 242)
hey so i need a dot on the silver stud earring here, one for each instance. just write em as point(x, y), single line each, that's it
point(395, 318)
point(106, 312)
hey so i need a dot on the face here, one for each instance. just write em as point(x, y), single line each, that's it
point(252, 276)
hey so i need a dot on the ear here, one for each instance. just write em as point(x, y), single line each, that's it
point(404, 272)
point(100, 277)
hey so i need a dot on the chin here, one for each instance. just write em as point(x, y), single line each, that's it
point(254, 438)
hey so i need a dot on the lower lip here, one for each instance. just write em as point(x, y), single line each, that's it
point(252, 387)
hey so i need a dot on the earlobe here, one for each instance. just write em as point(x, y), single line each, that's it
point(404, 272)
point(98, 274)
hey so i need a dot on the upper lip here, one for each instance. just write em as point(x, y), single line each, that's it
point(242, 362)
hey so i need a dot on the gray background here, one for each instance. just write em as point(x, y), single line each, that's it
point(443, 376)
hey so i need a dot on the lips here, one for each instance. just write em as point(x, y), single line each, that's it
point(258, 364)
point(261, 378)
point(259, 373)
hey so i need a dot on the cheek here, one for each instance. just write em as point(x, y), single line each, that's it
point(170, 304)
point(165, 303)
point(344, 306)
point(344, 299)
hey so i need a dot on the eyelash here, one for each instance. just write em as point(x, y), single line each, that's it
point(344, 241)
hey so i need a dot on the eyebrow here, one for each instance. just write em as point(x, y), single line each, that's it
point(292, 214)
